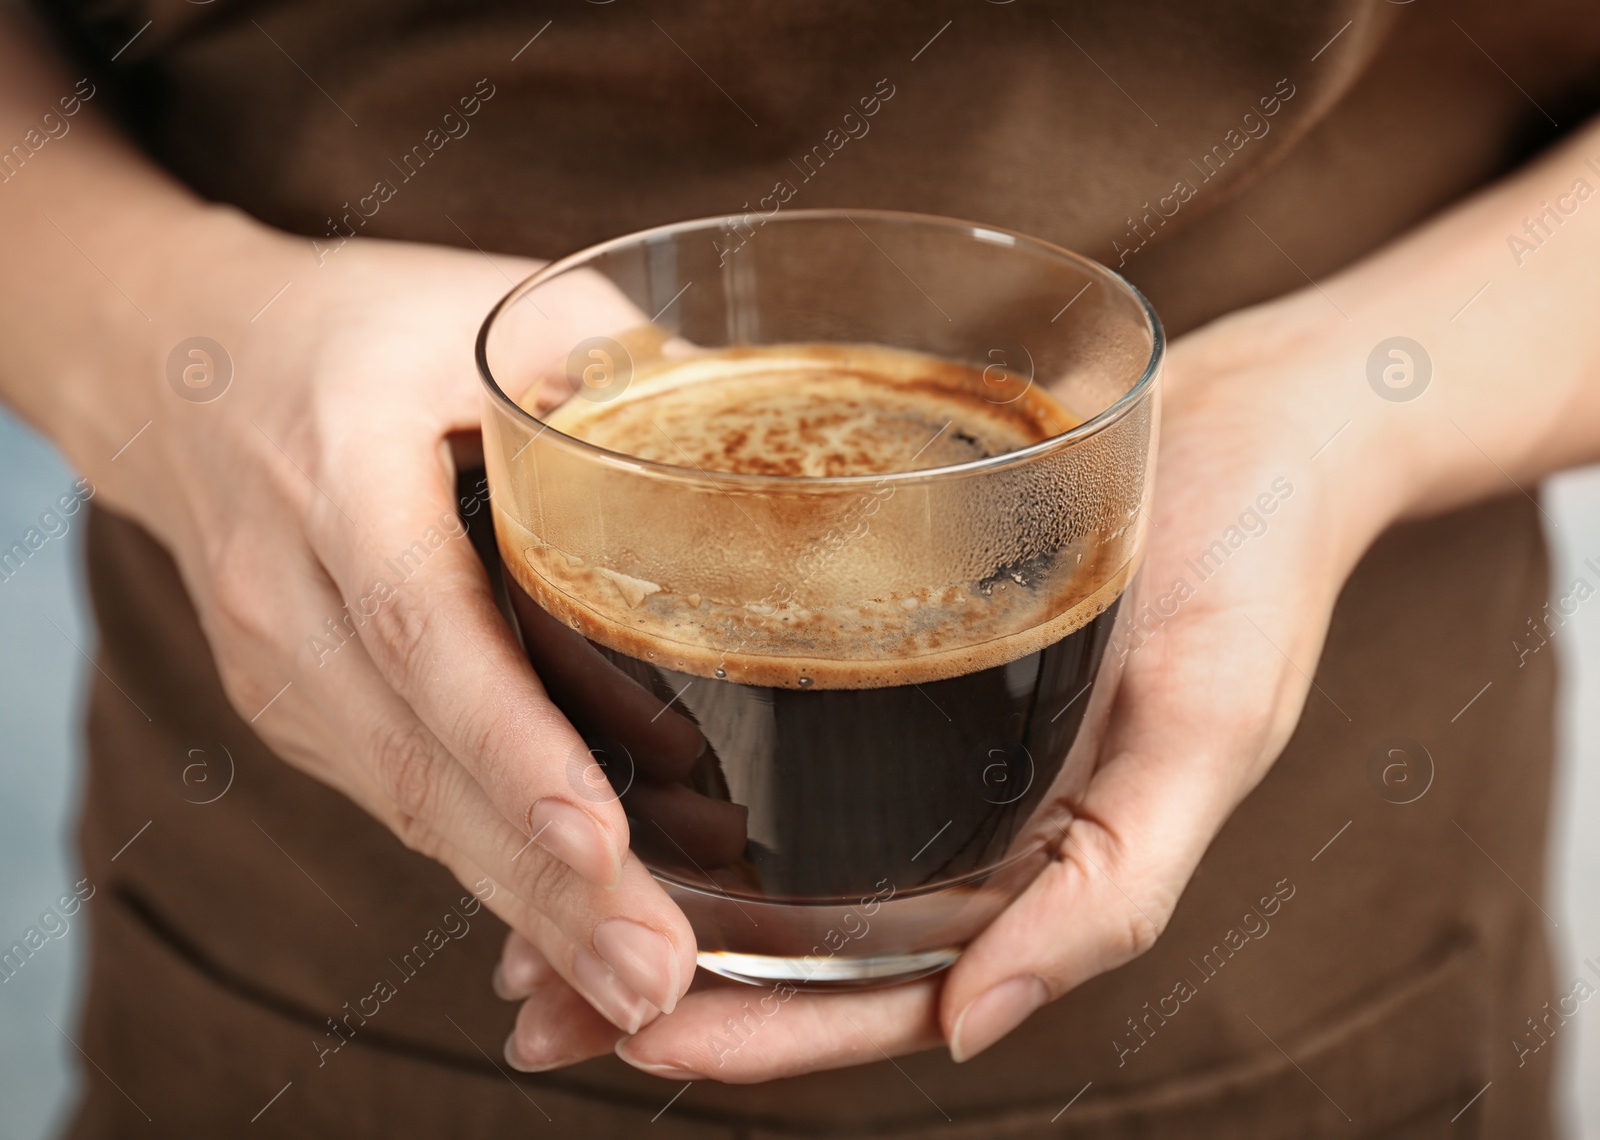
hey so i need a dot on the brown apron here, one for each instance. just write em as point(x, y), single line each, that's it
point(1405, 951)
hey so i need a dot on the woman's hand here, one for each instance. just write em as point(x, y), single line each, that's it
point(311, 509)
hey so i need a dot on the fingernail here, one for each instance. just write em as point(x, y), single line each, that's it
point(992, 1015)
point(571, 835)
point(610, 994)
point(517, 1061)
point(518, 971)
point(647, 961)
point(656, 1069)
point(514, 1058)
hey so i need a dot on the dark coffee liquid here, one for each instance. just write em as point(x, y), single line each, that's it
point(833, 737)
point(795, 794)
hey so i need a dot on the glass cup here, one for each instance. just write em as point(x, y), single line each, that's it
point(847, 716)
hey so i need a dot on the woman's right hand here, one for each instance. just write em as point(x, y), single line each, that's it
point(311, 510)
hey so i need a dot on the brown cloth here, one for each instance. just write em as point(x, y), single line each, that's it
point(1406, 950)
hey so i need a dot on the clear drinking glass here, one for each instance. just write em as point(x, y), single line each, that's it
point(846, 714)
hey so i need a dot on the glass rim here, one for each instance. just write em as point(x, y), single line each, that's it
point(1062, 441)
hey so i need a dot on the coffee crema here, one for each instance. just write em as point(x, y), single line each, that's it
point(826, 588)
point(817, 411)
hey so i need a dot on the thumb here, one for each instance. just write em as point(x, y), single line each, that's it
point(1191, 733)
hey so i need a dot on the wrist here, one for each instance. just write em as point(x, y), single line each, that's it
point(1497, 386)
point(122, 401)
point(195, 271)
point(1286, 380)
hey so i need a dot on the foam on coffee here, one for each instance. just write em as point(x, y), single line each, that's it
point(829, 602)
point(819, 411)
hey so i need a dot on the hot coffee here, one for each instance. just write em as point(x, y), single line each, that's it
point(837, 620)
point(830, 726)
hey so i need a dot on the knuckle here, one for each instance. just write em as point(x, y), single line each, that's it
point(541, 880)
point(406, 764)
point(417, 835)
point(402, 636)
point(1138, 906)
point(1139, 933)
point(238, 602)
point(236, 615)
point(482, 739)
point(243, 690)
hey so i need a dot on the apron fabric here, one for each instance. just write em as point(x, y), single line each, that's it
point(1359, 967)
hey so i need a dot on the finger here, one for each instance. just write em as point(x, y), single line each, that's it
point(589, 992)
point(687, 832)
point(620, 959)
point(521, 969)
point(740, 1034)
point(633, 931)
point(558, 963)
point(555, 1025)
point(1100, 903)
point(1179, 742)
point(426, 616)
point(541, 949)
point(435, 617)
point(524, 973)
point(535, 366)
point(604, 702)
point(633, 945)
point(556, 1028)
